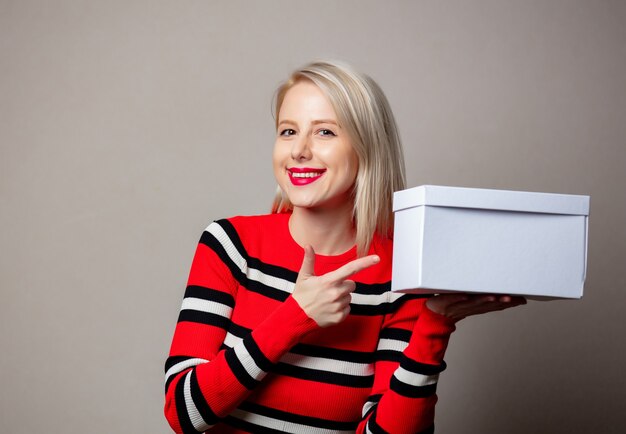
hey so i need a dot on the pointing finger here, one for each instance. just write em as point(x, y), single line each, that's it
point(307, 269)
point(353, 267)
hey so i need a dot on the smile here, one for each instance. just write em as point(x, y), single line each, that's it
point(304, 176)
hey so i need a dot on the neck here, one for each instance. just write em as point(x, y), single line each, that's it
point(328, 231)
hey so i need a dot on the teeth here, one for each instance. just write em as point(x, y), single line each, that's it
point(305, 175)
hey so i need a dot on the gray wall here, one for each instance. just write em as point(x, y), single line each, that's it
point(126, 126)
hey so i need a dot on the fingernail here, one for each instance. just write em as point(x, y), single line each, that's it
point(376, 259)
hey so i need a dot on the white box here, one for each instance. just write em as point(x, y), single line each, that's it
point(451, 239)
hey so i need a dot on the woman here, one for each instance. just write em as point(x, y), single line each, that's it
point(288, 324)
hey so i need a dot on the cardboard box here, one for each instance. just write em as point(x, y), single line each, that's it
point(450, 239)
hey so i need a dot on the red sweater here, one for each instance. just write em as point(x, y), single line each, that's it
point(246, 358)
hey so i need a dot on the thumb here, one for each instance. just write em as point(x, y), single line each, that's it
point(308, 263)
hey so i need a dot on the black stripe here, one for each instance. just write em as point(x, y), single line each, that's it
point(407, 297)
point(357, 381)
point(169, 381)
point(239, 371)
point(181, 408)
point(375, 399)
point(421, 368)
point(297, 418)
point(333, 353)
point(238, 330)
point(264, 290)
point(200, 317)
point(429, 430)
point(370, 310)
point(372, 288)
point(373, 425)
point(249, 427)
point(395, 333)
point(384, 308)
point(198, 399)
point(174, 360)
point(209, 294)
point(257, 355)
point(388, 356)
point(412, 391)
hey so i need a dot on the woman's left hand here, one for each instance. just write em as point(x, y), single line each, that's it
point(459, 306)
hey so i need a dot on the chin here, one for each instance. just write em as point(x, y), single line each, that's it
point(299, 203)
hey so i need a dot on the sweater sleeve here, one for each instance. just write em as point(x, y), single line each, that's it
point(205, 380)
point(410, 354)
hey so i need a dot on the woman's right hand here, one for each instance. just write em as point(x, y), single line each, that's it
point(326, 299)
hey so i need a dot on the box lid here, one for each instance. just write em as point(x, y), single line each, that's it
point(481, 198)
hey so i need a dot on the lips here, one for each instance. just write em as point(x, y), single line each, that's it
point(304, 175)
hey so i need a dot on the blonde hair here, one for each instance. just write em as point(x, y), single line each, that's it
point(364, 112)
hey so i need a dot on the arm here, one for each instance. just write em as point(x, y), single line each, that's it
point(412, 344)
point(403, 397)
point(203, 381)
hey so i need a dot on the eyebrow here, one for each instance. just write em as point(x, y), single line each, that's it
point(315, 122)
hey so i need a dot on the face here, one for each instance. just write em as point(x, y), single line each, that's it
point(314, 161)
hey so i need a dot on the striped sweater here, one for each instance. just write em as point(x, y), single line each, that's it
point(246, 358)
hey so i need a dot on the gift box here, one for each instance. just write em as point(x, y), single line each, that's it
point(452, 239)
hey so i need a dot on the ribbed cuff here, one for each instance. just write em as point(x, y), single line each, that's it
point(284, 328)
point(430, 337)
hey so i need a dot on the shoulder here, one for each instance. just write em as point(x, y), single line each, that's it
point(250, 226)
point(249, 233)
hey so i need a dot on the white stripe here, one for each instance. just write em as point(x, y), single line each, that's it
point(231, 340)
point(196, 420)
point(366, 407)
point(272, 281)
point(208, 306)
point(375, 299)
point(391, 344)
point(248, 362)
point(181, 366)
point(414, 379)
point(329, 365)
point(281, 425)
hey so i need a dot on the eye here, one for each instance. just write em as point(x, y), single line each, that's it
point(327, 132)
point(287, 132)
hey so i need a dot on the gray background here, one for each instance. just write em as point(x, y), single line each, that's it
point(126, 126)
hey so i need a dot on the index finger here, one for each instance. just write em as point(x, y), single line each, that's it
point(353, 267)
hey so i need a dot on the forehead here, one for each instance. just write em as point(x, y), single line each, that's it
point(306, 100)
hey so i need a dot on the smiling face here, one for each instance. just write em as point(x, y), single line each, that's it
point(314, 161)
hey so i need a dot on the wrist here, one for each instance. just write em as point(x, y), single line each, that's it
point(283, 329)
point(430, 337)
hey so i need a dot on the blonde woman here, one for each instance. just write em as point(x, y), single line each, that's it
point(287, 323)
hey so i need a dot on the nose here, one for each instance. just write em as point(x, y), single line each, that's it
point(301, 148)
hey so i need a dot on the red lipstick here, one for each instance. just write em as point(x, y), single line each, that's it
point(304, 175)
